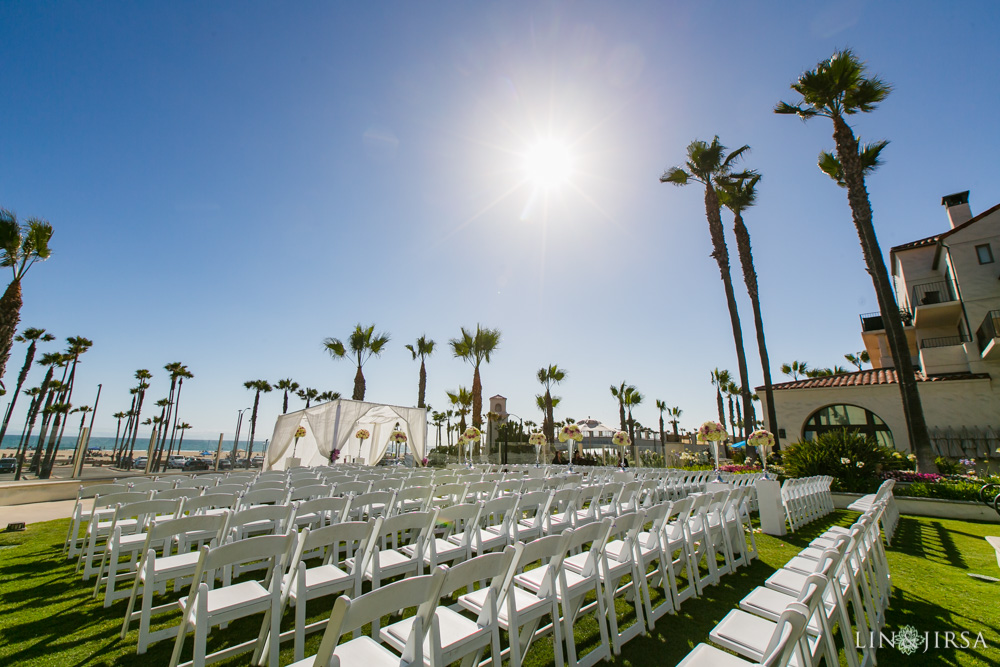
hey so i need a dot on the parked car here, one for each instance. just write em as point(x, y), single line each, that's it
point(140, 462)
point(257, 461)
point(176, 461)
point(197, 464)
point(8, 465)
point(225, 464)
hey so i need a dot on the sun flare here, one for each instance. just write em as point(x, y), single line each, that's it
point(548, 163)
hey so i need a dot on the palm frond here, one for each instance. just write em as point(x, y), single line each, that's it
point(675, 175)
point(335, 347)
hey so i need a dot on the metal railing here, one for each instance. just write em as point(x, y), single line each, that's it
point(988, 330)
point(873, 321)
point(943, 341)
point(931, 293)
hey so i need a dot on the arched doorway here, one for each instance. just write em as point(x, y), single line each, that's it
point(850, 417)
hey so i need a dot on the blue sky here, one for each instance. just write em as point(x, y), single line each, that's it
point(230, 183)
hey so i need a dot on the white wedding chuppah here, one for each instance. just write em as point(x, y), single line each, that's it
point(333, 425)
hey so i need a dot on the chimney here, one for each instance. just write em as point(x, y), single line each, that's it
point(958, 208)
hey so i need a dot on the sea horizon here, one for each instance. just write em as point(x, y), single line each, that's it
point(106, 443)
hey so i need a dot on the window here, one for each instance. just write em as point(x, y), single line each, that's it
point(985, 253)
point(850, 417)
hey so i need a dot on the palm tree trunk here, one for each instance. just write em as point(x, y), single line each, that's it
point(22, 445)
point(721, 405)
point(359, 387)
point(177, 412)
point(750, 278)
point(422, 387)
point(135, 426)
point(663, 438)
point(284, 408)
point(548, 425)
point(21, 377)
point(50, 451)
point(10, 317)
point(621, 408)
point(861, 211)
point(253, 423)
point(732, 418)
point(68, 400)
point(477, 400)
point(722, 258)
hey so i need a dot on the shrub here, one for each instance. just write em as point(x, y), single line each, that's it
point(948, 467)
point(854, 461)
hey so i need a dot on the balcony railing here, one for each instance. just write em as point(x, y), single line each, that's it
point(931, 293)
point(873, 321)
point(987, 331)
point(943, 341)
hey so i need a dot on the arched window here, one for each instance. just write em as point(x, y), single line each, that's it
point(850, 417)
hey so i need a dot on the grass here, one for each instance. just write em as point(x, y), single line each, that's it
point(47, 616)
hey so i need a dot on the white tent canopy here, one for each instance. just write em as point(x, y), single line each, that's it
point(332, 425)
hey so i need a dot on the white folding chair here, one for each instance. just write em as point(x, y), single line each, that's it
point(781, 646)
point(451, 540)
point(207, 606)
point(80, 517)
point(99, 526)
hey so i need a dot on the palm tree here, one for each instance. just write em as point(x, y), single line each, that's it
point(182, 373)
point(706, 164)
point(423, 348)
point(174, 369)
point(259, 387)
point(739, 195)
point(362, 344)
point(22, 444)
point(662, 406)
point(732, 390)
point(619, 393)
point(549, 376)
point(20, 247)
point(286, 386)
point(795, 369)
point(328, 396)
point(543, 402)
point(675, 417)
point(76, 345)
point(837, 88)
point(118, 431)
point(142, 375)
point(462, 400)
point(58, 409)
point(632, 399)
point(83, 410)
point(437, 418)
point(164, 405)
point(859, 359)
point(31, 336)
point(476, 349)
point(307, 395)
point(721, 380)
point(183, 426)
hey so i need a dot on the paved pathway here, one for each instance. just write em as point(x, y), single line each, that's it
point(35, 512)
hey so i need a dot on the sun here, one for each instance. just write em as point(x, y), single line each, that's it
point(548, 164)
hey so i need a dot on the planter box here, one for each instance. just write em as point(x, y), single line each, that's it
point(962, 510)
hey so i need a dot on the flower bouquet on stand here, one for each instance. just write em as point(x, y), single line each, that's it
point(622, 441)
point(538, 440)
point(570, 433)
point(471, 435)
point(399, 438)
point(763, 440)
point(460, 443)
point(713, 432)
point(293, 461)
point(362, 435)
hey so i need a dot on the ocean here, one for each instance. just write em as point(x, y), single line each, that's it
point(141, 443)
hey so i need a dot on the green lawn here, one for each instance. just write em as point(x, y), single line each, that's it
point(47, 616)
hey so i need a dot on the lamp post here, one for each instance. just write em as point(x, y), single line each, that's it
point(507, 439)
point(236, 440)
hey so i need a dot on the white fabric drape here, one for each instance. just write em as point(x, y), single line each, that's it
point(332, 426)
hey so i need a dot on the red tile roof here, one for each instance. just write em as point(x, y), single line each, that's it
point(869, 377)
point(931, 240)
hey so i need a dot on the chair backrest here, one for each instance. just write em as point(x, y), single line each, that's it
point(85, 492)
point(546, 551)
point(499, 511)
point(456, 519)
point(787, 633)
point(263, 497)
point(151, 485)
point(269, 485)
point(210, 500)
point(368, 504)
point(145, 511)
point(229, 487)
point(350, 615)
point(402, 529)
point(173, 494)
point(272, 548)
point(492, 568)
point(626, 527)
point(413, 498)
point(196, 483)
point(591, 538)
point(279, 515)
point(328, 510)
point(184, 532)
point(534, 505)
point(308, 492)
point(387, 485)
point(355, 488)
point(119, 498)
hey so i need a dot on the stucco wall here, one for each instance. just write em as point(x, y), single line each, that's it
point(953, 403)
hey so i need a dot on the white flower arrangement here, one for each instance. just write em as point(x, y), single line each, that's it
point(845, 461)
point(570, 432)
point(621, 439)
point(761, 438)
point(537, 439)
point(398, 437)
point(362, 434)
point(472, 434)
point(712, 431)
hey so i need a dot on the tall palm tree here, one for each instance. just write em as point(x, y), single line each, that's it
point(795, 369)
point(58, 409)
point(462, 400)
point(142, 375)
point(619, 393)
point(22, 445)
point(328, 396)
point(721, 379)
point(308, 394)
point(362, 344)
point(675, 418)
point(476, 348)
point(437, 418)
point(182, 373)
point(546, 402)
point(258, 387)
point(83, 410)
point(706, 164)
point(738, 195)
point(32, 336)
point(662, 406)
point(838, 88)
point(76, 345)
point(118, 431)
point(731, 390)
point(183, 426)
point(20, 247)
point(859, 359)
point(423, 348)
point(632, 399)
point(549, 376)
point(287, 386)
point(164, 405)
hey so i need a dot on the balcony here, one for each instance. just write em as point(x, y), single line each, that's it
point(935, 305)
point(943, 341)
point(944, 354)
point(877, 345)
point(988, 336)
point(872, 322)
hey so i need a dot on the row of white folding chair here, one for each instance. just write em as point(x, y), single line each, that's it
point(890, 513)
point(806, 499)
